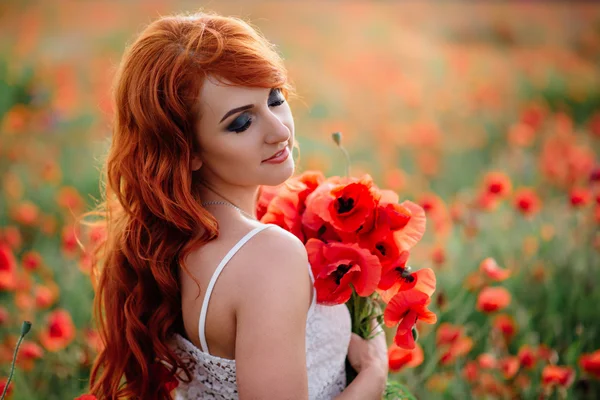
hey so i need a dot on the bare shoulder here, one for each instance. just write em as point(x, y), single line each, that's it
point(271, 255)
point(279, 241)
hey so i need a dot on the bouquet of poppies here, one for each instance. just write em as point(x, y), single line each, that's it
point(358, 238)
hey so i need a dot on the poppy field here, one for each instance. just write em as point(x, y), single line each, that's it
point(487, 116)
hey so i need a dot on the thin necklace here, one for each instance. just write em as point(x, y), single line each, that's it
point(225, 203)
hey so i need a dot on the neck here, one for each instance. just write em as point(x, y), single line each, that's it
point(241, 197)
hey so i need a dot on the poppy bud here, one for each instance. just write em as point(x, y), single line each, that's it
point(337, 137)
point(25, 328)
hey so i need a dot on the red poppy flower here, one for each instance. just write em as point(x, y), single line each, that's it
point(497, 184)
point(349, 206)
point(554, 375)
point(31, 260)
point(381, 243)
point(26, 213)
point(492, 299)
point(285, 209)
point(86, 397)
point(404, 309)
point(399, 358)
point(397, 278)
point(46, 295)
point(590, 363)
point(533, 115)
point(391, 215)
point(471, 371)
point(397, 272)
point(580, 197)
point(59, 332)
point(489, 267)
point(353, 206)
point(527, 357)
point(337, 265)
point(264, 197)
point(509, 366)
point(8, 268)
point(380, 240)
point(3, 382)
point(453, 342)
point(447, 333)
point(28, 353)
point(487, 361)
point(397, 229)
point(527, 201)
point(69, 241)
point(314, 225)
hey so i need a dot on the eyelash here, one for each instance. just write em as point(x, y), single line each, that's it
point(249, 122)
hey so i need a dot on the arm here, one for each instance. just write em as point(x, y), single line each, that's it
point(370, 359)
point(368, 384)
point(274, 295)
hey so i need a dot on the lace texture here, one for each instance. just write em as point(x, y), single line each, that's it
point(327, 337)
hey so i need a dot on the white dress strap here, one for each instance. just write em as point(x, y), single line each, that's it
point(213, 280)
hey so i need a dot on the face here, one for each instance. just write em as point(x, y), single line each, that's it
point(239, 128)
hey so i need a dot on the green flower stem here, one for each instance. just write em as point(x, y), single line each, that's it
point(24, 330)
point(337, 138)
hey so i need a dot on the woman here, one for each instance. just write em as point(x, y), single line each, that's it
point(202, 121)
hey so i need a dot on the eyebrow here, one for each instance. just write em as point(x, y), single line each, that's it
point(235, 110)
point(242, 108)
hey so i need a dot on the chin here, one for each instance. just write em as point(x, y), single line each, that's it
point(278, 175)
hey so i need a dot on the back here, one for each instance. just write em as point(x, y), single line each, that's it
point(277, 336)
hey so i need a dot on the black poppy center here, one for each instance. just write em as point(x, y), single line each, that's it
point(339, 273)
point(345, 205)
point(405, 274)
point(381, 248)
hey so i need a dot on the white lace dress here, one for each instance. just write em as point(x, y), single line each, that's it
point(328, 331)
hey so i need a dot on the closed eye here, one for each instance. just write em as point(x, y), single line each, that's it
point(243, 121)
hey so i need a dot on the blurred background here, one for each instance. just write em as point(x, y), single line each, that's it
point(487, 115)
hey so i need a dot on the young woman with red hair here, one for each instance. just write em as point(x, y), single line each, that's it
point(201, 122)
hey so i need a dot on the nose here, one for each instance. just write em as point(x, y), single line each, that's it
point(277, 129)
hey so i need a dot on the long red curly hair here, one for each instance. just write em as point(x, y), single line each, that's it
point(151, 209)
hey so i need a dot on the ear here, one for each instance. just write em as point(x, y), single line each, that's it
point(196, 163)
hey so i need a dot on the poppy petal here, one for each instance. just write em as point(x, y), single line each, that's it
point(412, 233)
point(426, 281)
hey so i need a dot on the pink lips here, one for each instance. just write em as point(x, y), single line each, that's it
point(278, 157)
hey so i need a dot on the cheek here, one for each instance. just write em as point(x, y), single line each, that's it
point(288, 119)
